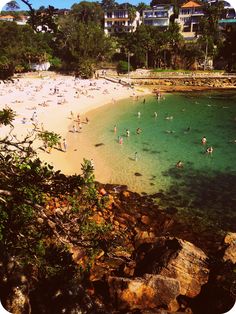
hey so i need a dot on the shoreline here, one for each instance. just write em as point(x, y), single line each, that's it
point(53, 98)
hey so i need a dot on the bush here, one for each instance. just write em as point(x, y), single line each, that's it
point(56, 63)
point(85, 69)
point(122, 67)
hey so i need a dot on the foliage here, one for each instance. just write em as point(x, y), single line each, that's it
point(7, 115)
point(122, 67)
point(19, 46)
point(56, 63)
point(49, 138)
point(80, 45)
point(87, 12)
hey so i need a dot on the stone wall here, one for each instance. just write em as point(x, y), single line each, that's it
point(217, 82)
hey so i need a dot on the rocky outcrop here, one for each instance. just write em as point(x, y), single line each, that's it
point(151, 291)
point(175, 258)
point(230, 244)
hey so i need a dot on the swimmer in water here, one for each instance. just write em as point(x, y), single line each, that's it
point(138, 131)
point(209, 150)
point(204, 140)
point(179, 164)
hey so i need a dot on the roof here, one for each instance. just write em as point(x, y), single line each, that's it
point(6, 17)
point(191, 4)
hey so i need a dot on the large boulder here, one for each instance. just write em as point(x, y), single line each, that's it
point(148, 292)
point(230, 247)
point(174, 258)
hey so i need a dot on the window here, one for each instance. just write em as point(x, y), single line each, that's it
point(109, 15)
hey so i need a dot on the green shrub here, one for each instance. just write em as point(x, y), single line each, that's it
point(122, 67)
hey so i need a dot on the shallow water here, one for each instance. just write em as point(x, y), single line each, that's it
point(163, 142)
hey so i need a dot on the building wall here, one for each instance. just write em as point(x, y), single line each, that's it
point(158, 16)
point(118, 21)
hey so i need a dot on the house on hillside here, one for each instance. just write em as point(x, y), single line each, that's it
point(119, 21)
point(158, 15)
point(21, 20)
point(190, 14)
point(8, 18)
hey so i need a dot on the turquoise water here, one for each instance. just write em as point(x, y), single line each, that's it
point(163, 142)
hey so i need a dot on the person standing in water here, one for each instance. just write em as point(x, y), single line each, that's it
point(127, 133)
point(204, 140)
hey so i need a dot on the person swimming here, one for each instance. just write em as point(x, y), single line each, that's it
point(209, 150)
point(204, 140)
point(179, 164)
point(138, 131)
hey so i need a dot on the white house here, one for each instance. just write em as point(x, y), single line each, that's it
point(119, 21)
point(158, 15)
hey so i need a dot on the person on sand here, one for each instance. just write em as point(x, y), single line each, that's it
point(92, 163)
point(64, 145)
point(115, 129)
point(209, 150)
point(74, 129)
point(179, 164)
point(121, 140)
point(204, 140)
point(136, 156)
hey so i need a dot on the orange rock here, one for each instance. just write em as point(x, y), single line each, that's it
point(145, 220)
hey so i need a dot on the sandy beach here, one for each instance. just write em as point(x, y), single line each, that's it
point(54, 102)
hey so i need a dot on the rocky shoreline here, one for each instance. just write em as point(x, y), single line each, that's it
point(155, 265)
point(172, 84)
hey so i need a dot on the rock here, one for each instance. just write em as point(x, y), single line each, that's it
point(98, 219)
point(149, 292)
point(125, 194)
point(174, 258)
point(230, 251)
point(40, 220)
point(129, 268)
point(144, 237)
point(18, 303)
point(145, 220)
point(51, 224)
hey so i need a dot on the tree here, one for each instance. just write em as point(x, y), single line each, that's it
point(108, 4)
point(81, 45)
point(41, 19)
point(87, 12)
point(210, 35)
point(142, 6)
point(20, 46)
